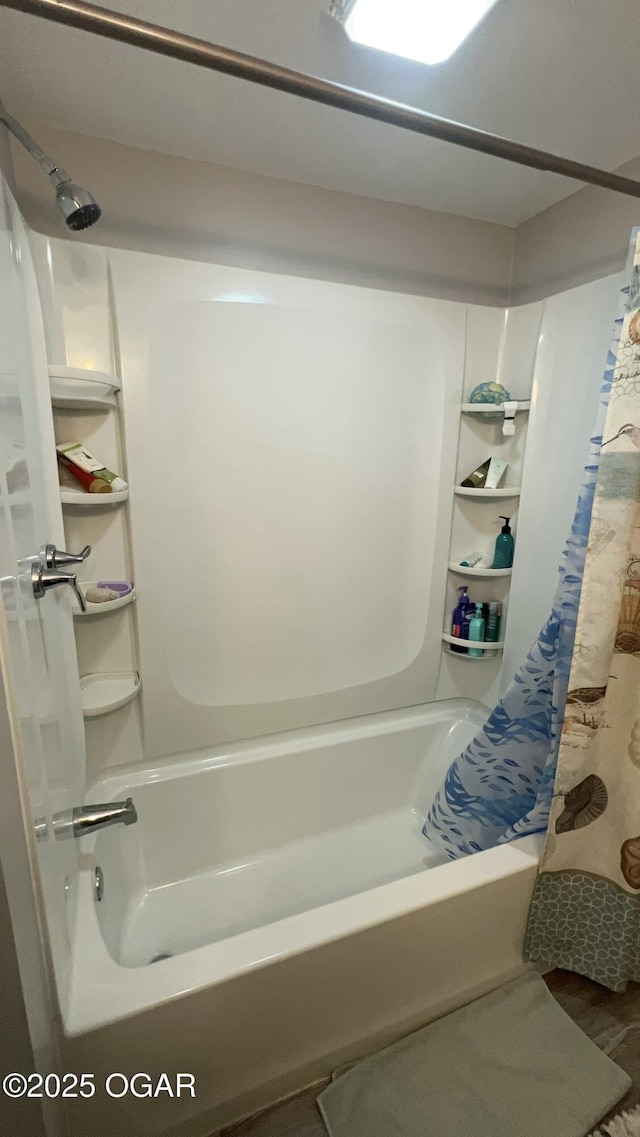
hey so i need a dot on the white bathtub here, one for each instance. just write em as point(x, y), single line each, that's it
point(305, 918)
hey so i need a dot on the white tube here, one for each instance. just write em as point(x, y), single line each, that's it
point(497, 470)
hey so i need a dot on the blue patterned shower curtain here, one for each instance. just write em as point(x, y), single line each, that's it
point(501, 786)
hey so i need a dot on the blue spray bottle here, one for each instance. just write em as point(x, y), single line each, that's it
point(460, 619)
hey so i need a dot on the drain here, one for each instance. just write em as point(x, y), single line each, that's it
point(161, 955)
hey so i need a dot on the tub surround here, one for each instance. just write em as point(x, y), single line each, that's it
point(301, 637)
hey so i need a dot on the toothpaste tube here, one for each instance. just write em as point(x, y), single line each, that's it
point(88, 470)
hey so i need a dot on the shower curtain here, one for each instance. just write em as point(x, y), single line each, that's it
point(585, 914)
point(501, 786)
point(562, 748)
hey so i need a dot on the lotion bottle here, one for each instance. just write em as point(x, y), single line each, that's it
point(503, 556)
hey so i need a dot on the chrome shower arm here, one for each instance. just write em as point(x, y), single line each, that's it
point(56, 173)
point(78, 207)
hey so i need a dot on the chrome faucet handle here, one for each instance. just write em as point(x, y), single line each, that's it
point(43, 578)
point(57, 558)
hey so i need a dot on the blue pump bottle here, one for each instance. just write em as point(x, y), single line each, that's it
point(503, 555)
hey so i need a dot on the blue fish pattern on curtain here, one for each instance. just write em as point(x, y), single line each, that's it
point(501, 786)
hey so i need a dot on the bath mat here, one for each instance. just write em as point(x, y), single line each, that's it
point(626, 1124)
point(511, 1063)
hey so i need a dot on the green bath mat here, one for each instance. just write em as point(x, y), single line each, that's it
point(512, 1064)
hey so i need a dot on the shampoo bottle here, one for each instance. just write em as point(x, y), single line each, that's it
point(476, 630)
point(503, 556)
point(460, 619)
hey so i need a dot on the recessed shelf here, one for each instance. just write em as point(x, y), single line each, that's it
point(483, 645)
point(449, 639)
point(486, 572)
point(508, 491)
point(70, 496)
point(101, 609)
point(80, 388)
point(108, 692)
point(493, 408)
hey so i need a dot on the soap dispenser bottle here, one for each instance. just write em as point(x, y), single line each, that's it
point(503, 556)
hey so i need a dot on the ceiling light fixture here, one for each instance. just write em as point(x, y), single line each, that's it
point(428, 31)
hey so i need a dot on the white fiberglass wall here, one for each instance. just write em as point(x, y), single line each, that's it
point(287, 442)
point(291, 447)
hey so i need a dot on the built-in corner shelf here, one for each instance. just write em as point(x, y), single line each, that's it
point(470, 529)
point(105, 607)
point(487, 573)
point(507, 491)
point(104, 693)
point(466, 658)
point(482, 645)
point(493, 408)
point(80, 497)
point(81, 388)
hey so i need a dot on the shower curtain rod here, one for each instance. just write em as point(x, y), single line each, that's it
point(176, 45)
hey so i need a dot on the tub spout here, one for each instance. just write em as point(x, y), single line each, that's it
point(88, 818)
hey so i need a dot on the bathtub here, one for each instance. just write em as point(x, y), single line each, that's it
point(276, 911)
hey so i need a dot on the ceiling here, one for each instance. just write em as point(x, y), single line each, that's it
point(550, 73)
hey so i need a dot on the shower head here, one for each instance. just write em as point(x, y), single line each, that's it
point(78, 207)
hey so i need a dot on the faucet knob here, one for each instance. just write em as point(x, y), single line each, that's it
point(43, 578)
point(57, 558)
